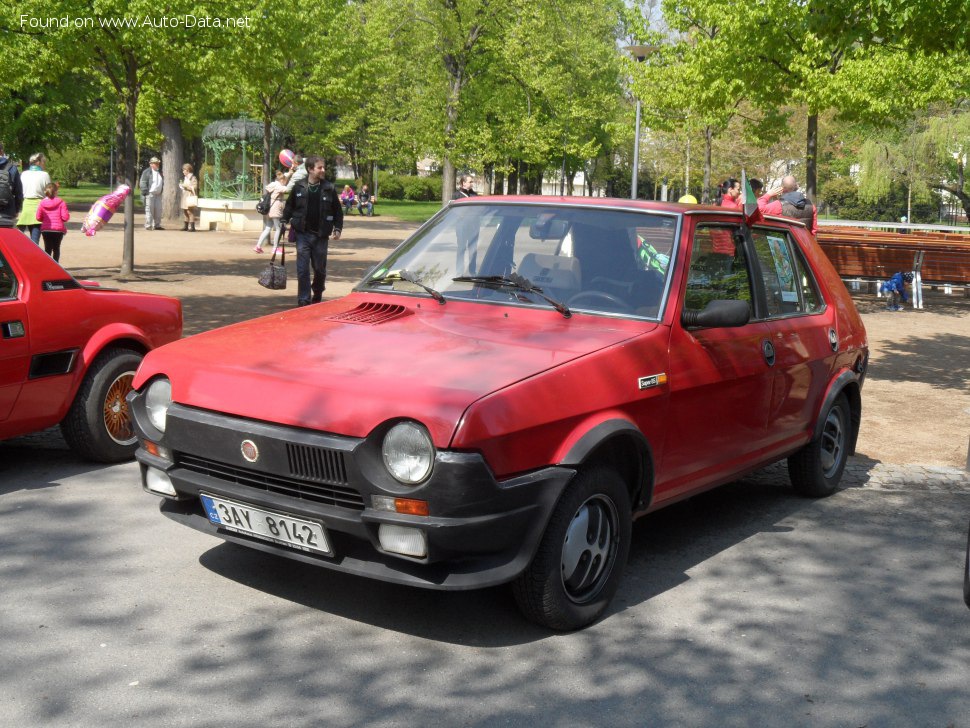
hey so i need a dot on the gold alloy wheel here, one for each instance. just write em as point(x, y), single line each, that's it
point(117, 416)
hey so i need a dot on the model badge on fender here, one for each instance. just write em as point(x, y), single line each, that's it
point(249, 450)
point(654, 380)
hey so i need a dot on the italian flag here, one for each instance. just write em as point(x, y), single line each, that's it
point(752, 213)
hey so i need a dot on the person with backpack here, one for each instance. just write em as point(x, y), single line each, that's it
point(271, 222)
point(11, 191)
point(52, 213)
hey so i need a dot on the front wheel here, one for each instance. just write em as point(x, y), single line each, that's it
point(816, 469)
point(98, 426)
point(579, 562)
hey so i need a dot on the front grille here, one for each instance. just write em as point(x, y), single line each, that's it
point(317, 463)
point(314, 459)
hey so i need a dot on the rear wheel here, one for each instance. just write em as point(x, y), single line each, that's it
point(98, 426)
point(816, 469)
point(580, 560)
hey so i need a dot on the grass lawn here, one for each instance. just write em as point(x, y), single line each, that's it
point(85, 192)
point(406, 209)
point(88, 192)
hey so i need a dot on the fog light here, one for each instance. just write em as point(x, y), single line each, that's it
point(158, 481)
point(402, 540)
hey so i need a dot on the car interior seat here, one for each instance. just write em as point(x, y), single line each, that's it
point(607, 258)
point(557, 275)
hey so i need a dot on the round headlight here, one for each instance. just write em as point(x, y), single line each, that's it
point(158, 398)
point(408, 452)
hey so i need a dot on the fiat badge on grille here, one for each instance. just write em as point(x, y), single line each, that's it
point(249, 450)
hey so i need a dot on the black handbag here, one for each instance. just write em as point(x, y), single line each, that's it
point(274, 274)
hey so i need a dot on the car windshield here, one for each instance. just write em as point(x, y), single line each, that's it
point(591, 259)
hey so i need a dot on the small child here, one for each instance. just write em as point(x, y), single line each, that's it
point(52, 213)
point(896, 288)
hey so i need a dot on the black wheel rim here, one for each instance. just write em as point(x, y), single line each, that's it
point(832, 442)
point(589, 549)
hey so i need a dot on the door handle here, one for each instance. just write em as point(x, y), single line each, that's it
point(768, 351)
point(12, 329)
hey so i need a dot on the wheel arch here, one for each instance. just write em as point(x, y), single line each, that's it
point(847, 383)
point(123, 336)
point(619, 444)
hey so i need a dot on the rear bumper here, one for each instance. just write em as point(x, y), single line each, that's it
point(479, 531)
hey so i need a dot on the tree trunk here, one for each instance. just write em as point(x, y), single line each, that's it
point(173, 156)
point(267, 149)
point(708, 153)
point(514, 179)
point(811, 158)
point(127, 166)
point(455, 84)
point(498, 181)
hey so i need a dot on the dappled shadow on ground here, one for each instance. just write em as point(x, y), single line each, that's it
point(780, 603)
point(940, 360)
point(666, 545)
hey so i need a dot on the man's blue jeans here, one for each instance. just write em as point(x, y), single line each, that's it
point(311, 255)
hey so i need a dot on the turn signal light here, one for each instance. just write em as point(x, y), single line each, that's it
point(409, 506)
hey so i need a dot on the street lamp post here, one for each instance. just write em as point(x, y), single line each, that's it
point(640, 52)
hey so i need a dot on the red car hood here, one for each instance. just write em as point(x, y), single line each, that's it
point(308, 368)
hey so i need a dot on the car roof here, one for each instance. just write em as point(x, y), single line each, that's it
point(616, 202)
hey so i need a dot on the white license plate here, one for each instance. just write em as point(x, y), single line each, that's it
point(287, 530)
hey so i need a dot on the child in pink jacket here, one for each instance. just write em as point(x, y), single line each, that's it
point(52, 214)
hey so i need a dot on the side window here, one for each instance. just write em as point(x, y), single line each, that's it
point(8, 283)
point(718, 268)
point(789, 288)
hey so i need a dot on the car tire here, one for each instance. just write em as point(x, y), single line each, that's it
point(816, 469)
point(99, 426)
point(579, 563)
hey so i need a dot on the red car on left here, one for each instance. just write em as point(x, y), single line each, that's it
point(69, 351)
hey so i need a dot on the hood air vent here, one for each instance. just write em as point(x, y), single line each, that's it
point(371, 313)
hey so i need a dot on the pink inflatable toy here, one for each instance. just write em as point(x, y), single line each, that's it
point(102, 210)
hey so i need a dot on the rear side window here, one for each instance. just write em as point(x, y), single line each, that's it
point(789, 286)
point(8, 283)
point(718, 267)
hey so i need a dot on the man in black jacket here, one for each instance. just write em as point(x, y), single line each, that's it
point(11, 192)
point(314, 210)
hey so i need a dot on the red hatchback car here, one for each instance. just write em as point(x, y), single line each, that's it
point(502, 396)
point(69, 351)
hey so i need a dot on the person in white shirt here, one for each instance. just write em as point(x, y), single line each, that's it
point(151, 192)
point(34, 180)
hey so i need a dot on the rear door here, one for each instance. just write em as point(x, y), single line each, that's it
point(720, 382)
point(801, 335)
point(14, 338)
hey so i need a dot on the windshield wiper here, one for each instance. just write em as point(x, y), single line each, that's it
point(519, 283)
point(408, 276)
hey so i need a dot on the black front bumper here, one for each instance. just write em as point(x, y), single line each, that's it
point(479, 531)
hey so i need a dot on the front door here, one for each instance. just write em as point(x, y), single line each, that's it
point(719, 378)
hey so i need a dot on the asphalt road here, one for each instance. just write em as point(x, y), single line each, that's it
point(747, 606)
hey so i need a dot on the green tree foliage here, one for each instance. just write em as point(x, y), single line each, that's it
point(929, 152)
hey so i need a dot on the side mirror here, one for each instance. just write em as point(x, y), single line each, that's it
point(717, 315)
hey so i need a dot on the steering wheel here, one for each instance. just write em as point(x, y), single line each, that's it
point(618, 303)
